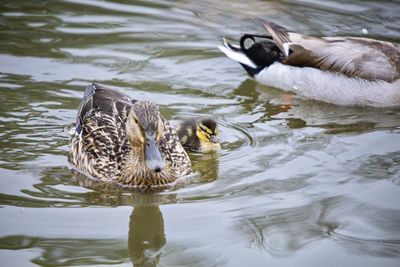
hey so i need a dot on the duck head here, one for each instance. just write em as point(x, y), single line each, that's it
point(207, 132)
point(145, 130)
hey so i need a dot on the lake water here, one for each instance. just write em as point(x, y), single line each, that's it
point(297, 182)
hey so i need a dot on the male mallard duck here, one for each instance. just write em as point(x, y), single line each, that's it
point(339, 70)
point(118, 139)
point(199, 134)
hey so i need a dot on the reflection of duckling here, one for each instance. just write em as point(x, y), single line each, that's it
point(199, 134)
point(118, 139)
point(206, 165)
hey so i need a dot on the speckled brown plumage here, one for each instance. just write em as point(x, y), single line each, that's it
point(102, 147)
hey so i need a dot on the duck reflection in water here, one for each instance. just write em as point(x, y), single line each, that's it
point(146, 236)
point(272, 104)
point(206, 165)
point(271, 101)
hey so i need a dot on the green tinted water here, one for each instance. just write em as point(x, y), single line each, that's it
point(298, 182)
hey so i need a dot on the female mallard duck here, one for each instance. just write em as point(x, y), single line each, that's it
point(339, 70)
point(199, 134)
point(118, 139)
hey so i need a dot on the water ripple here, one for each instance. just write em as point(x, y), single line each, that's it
point(295, 178)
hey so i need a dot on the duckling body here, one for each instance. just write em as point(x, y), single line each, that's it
point(121, 140)
point(339, 70)
point(199, 134)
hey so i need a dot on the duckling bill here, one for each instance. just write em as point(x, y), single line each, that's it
point(118, 139)
point(199, 134)
point(339, 70)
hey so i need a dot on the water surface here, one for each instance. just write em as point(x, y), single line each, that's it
point(297, 182)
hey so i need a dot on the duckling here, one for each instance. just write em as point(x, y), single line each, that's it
point(120, 140)
point(338, 70)
point(199, 134)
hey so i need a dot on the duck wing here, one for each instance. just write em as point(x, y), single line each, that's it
point(355, 57)
point(103, 99)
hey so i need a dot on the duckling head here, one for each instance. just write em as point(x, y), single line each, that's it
point(144, 131)
point(207, 132)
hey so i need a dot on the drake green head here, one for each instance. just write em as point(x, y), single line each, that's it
point(199, 134)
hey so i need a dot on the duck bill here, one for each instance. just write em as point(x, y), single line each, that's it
point(153, 157)
point(214, 139)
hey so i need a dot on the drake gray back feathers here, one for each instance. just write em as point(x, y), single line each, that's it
point(199, 134)
point(128, 142)
point(339, 70)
